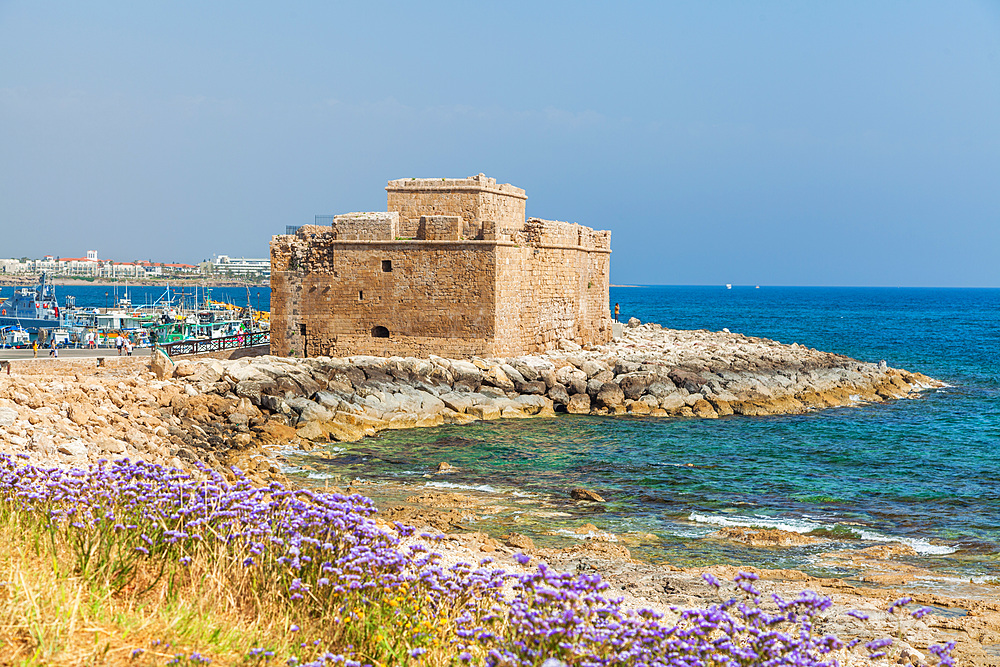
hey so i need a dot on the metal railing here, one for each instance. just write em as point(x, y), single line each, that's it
point(200, 345)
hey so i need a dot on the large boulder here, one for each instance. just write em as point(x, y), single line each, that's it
point(535, 387)
point(513, 374)
point(559, 395)
point(634, 384)
point(241, 372)
point(459, 402)
point(686, 379)
point(496, 377)
point(161, 365)
point(579, 404)
point(592, 368)
point(466, 371)
point(533, 405)
point(7, 416)
point(610, 396)
point(250, 390)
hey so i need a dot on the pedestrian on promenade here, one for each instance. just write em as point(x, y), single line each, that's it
point(617, 310)
point(53, 352)
point(34, 349)
point(128, 347)
point(120, 343)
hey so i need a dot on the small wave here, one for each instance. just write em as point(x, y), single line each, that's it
point(605, 537)
point(832, 530)
point(486, 488)
point(920, 546)
point(789, 525)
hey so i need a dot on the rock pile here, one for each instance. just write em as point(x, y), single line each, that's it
point(649, 371)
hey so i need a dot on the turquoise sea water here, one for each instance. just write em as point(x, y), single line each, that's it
point(924, 472)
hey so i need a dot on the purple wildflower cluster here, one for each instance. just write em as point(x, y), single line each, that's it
point(354, 596)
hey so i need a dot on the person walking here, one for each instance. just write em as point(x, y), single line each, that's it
point(617, 310)
point(120, 343)
point(34, 349)
point(53, 352)
point(128, 347)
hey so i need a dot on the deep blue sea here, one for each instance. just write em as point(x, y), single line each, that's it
point(923, 472)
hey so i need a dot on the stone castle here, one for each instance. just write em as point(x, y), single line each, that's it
point(453, 269)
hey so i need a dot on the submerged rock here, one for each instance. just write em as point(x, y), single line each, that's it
point(580, 493)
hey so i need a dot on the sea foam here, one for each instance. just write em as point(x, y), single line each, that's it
point(801, 525)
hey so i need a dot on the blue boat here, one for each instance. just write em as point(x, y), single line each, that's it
point(32, 308)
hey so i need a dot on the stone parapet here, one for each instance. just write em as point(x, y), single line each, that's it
point(479, 182)
point(377, 226)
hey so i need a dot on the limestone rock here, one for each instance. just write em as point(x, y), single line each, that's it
point(7, 416)
point(534, 387)
point(465, 371)
point(79, 413)
point(311, 431)
point(559, 395)
point(161, 365)
point(610, 396)
point(185, 369)
point(485, 412)
point(579, 404)
point(459, 402)
point(580, 493)
point(634, 384)
point(518, 541)
point(689, 380)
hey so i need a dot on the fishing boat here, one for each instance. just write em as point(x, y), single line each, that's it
point(31, 308)
point(14, 336)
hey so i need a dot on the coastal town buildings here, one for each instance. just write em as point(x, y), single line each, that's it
point(451, 268)
point(91, 266)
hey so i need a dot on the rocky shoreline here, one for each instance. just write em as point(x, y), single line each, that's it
point(245, 412)
point(648, 371)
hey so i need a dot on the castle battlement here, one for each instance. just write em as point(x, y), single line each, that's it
point(480, 182)
point(452, 268)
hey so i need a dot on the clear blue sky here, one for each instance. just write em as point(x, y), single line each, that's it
point(772, 143)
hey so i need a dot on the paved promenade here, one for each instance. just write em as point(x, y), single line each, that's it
point(69, 353)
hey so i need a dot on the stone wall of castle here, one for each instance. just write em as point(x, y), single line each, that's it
point(553, 285)
point(361, 286)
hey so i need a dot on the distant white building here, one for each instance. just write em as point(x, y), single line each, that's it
point(241, 266)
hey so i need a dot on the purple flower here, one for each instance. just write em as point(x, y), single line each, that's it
point(901, 602)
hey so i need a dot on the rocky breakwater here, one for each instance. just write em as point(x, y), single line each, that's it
point(648, 370)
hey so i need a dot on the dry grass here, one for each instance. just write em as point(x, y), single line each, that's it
point(49, 616)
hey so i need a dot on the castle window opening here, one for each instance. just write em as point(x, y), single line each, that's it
point(302, 329)
point(380, 332)
point(387, 265)
point(361, 295)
